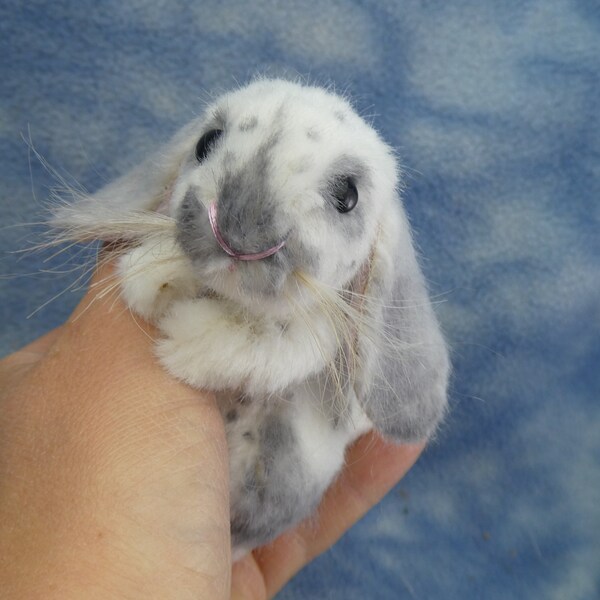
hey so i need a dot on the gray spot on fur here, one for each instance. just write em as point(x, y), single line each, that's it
point(271, 141)
point(340, 116)
point(313, 134)
point(248, 124)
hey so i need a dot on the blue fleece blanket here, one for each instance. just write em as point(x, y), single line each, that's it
point(493, 107)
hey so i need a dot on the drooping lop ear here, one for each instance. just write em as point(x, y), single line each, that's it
point(143, 188)
point(403, 364)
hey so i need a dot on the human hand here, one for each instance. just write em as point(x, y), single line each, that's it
point(113, 476)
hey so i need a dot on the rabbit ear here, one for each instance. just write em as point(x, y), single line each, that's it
point(141, 189)
point(403, 364)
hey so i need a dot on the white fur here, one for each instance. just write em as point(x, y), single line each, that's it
point(323, 446)
point(153, 275)
point(210, 343)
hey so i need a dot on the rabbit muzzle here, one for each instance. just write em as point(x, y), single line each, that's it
point(213, 219)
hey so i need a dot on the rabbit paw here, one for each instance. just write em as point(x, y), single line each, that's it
point(210, 344)
point(152, 276)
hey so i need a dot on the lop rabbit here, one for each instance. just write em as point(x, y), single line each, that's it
point(268, 244)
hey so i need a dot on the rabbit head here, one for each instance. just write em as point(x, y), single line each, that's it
point(280, 180)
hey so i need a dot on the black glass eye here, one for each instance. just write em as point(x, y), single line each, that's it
point(345, 194)
point(206, 142)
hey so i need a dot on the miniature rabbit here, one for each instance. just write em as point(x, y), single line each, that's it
point(268, 244)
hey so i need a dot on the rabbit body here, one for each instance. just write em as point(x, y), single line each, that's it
point(286, 440)
point(268, 244)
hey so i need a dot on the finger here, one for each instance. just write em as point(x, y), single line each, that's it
point(247, 581)
point(373, 467)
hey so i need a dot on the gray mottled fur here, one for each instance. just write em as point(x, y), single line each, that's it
point(248, 124)
point(274, 491)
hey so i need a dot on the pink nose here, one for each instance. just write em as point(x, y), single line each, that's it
point(212, 217)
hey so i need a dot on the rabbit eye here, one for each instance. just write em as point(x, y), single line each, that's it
point(345, 194)
point(206, 142)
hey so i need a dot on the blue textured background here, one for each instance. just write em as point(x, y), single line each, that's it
point(493, 107)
